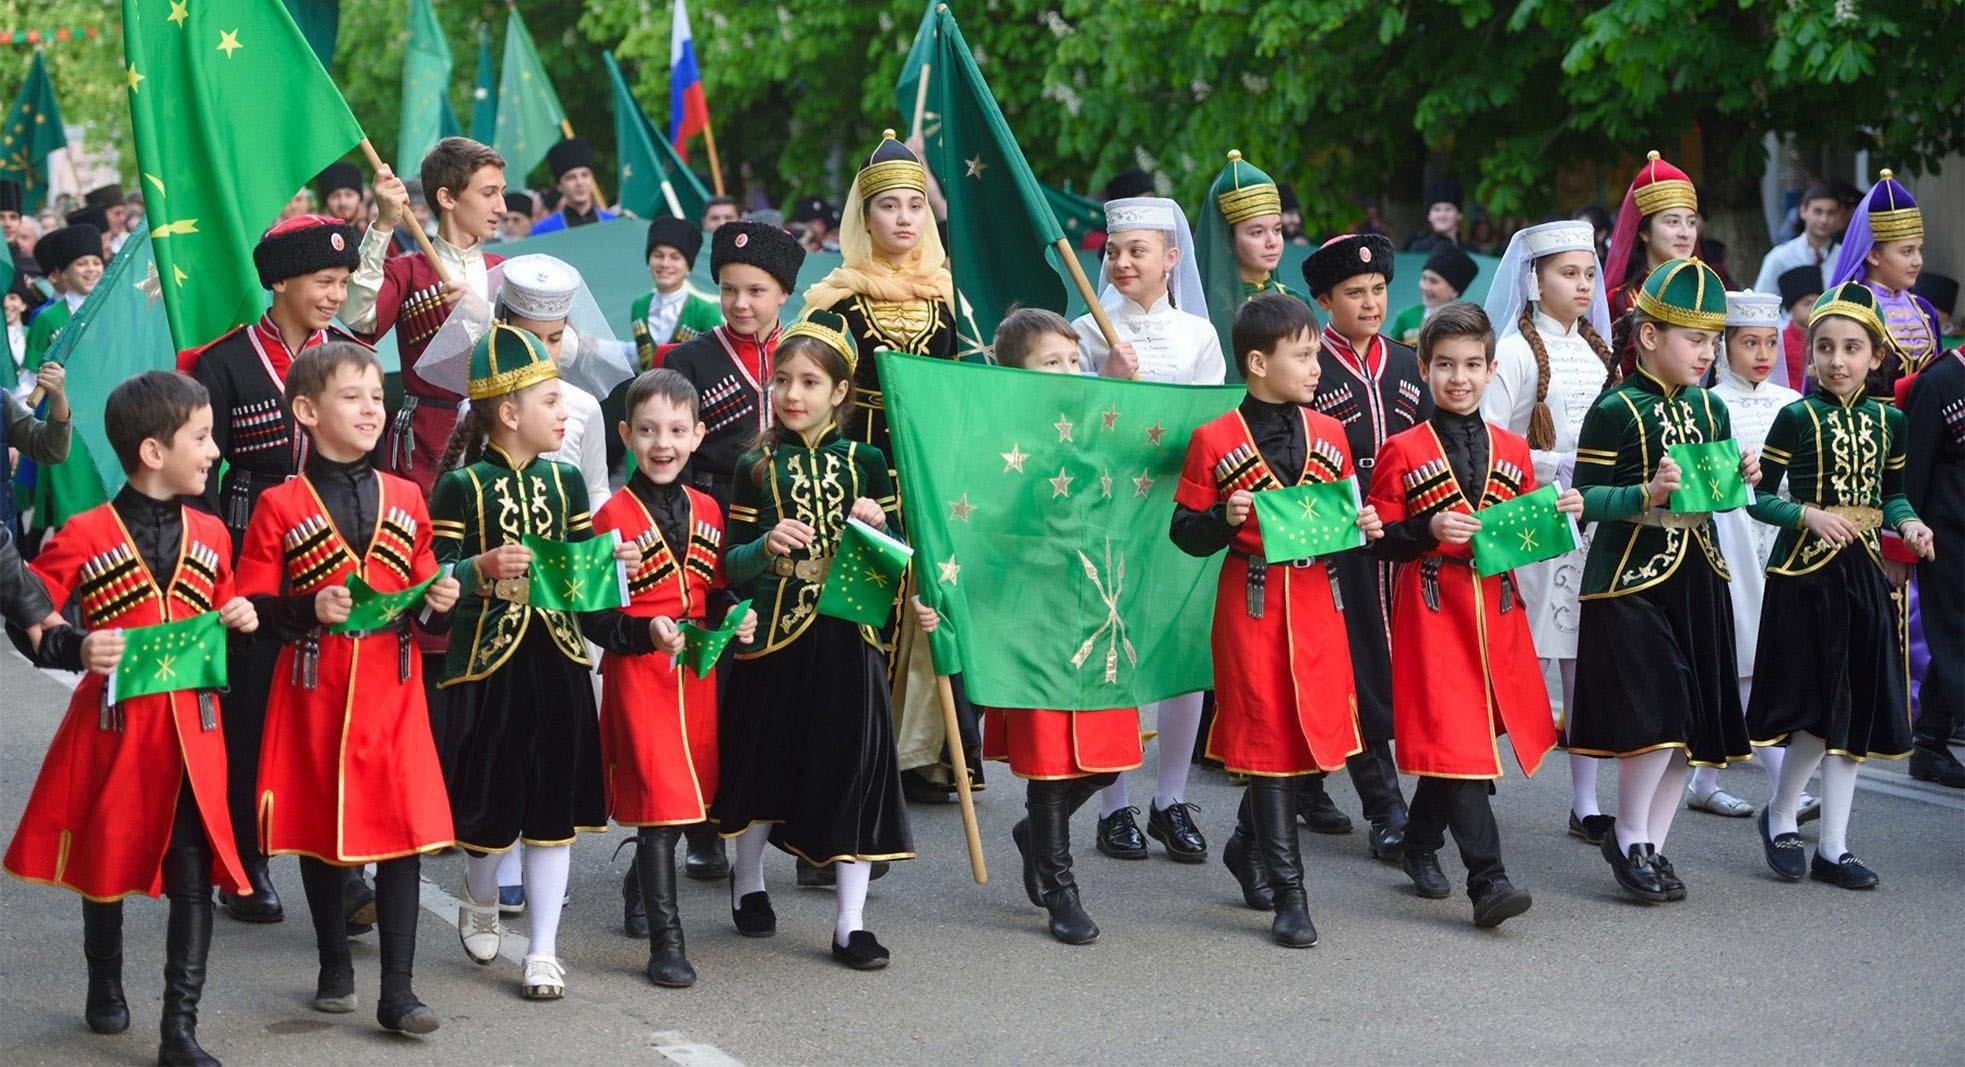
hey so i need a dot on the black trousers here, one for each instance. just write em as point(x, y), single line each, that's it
point(1941, 606)
point(244, 706)
point(1459, 805)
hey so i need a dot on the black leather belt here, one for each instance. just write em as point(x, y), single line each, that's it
point(1258, 579)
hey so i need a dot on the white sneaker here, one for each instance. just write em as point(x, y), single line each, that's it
point(545, 979)
point(1719, 802)
point(1808, 808)
point(478, 929)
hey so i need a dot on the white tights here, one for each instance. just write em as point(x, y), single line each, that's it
point(545, 871)
point(1179, 724)
point(1582, 769)
point(747, 865)
point(1648, 788)
point(1805, 753)
point(850, 888)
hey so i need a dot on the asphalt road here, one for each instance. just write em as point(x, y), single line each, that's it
point(1747, 970)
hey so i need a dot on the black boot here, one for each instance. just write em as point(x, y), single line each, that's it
point(187, 939)
point(668, 965)
point(263, 906)
point(1050, 804)
point(326, 890)
point(706, 861)
point(398, 885)
point(1272, 808)
point(102, 948)
point(1243, 858)
point(634, 913)
point(1377, 782)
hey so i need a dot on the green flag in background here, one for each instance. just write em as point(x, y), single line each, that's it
point(912, 93)
point(1301, 521)
point(189, 654)
point(484, 92)
point(319, 22)
point(372, 610)
point(426, 88)
point(1001, 233)
point(701, 646)
point(530, 119)
point(577, 575)
point(1038, 507)
point(1527, 529)
point(865, 575)
point(1710, 477)
point(1079, 215)
point(118, 333)
point(33, 130)
point(654, 182)
point(214, 91)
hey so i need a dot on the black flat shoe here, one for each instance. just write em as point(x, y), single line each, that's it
point(1423, 867)
point(754, 917)
point(1240, 857)
point(1498, 902)
point(919, 789)
point(1633, 870)
point(1173, 826)
point(1388, 842)
point(1667, 877)
point(410, 1017)
point(1847, 872)
point(862, 951)
point(1786, 854)
point(1020, 833)
point(1119, 836)
point(1590, 828)
point(334, 991)
point(1319, 813)
point(1932, 761)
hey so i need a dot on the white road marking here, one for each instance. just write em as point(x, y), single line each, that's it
point(679, 1050)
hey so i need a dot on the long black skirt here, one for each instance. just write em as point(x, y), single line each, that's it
point(521, 751)
point(1831, 661)
point(1656, 669)
point(806, 741)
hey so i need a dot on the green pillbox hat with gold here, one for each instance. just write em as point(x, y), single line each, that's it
point(507, 359)
point(1684, 292)
point(1243, 192)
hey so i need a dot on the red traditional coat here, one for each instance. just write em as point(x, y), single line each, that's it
point(658, 719)
point(348, 772)
point(1285, 701)
point(1044, 744)
point(411, 300)
point(99, 819)
point(1464, 672)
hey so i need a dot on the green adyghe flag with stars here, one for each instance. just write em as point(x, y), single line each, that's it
point(371, 610)
point(530, 118)
point(865, 576)
point(188, 654)
point(1527, 529)
point(701, 645)
point(577, 575)
point(33, 130)
point(232, 113)
point(1002, 235)
point(654, 180)
point(426, 115)
point(1300, 521)
point(1710, 477)
point(1039, 518)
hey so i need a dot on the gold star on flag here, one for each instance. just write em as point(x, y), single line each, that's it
point(1154, 433)
point(1110, 416)
point(1142, 485)
point(1060, 485)
point(1309, 508)
point(134, 77)
point(1013, 459)
point(975, 166)
point(627, 171)
point(228, 42)
point(950, 570)
point(958, 510)
point(1528, 540)
point(151, 288)
point(1063, 427)
point(178, 13)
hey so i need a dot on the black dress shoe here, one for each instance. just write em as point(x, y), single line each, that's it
point(1846, 873)
point(754, 917)
point(1388, 842)
point(1633, 871)
point(1243, 861)
point(1173, 826)
point(1320, 813)
point(705, 860)
point(1931, 761)
point(1667, 877)
point(862, 951)
point(1119, 836)
point(1497, 902)
point(917, 787)
point(263, 906)
point(1069, 923)
point(1785, 852)
point(1590, 828)
point(1020, 833)
point(1423, 867)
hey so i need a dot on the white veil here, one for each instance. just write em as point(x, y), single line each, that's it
point(590, 356)
point(1514, 280)
point(1157, 213)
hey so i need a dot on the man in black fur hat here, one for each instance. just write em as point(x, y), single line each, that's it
point(1443, 203)
point(572, 161)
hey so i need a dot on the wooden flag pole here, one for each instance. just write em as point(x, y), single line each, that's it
point(716, 169)
point(921, 100)
point(1070, 257)
point(409, 217)
point(959, 763)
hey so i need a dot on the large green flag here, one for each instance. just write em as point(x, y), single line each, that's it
point(170, 656)
point(426, 88)
point(484, 93)
point(1710, 477)
point(1001, 233)
point(319, 22)
point(530, 119)
point(1313, 519)
point(118, 333)
point(1039, 522)
point(232, 114)
point(33, 130)
point(1524, 530)
point(654, 181)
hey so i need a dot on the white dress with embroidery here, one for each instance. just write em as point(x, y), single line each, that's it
point(1745, 542)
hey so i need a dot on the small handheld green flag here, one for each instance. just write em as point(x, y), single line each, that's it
point(577, 575)
point(1711, 478)
point(1527, 529)
point(701, 646)
point(866, 573)
point(1301, 521)
point(189, 654)
point(373, 610)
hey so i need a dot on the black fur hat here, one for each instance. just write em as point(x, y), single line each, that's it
point(1345, 256)
point(304, 244)
point(768, 248)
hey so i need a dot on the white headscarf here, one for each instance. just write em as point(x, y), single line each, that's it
point(542, 288)
point(1515, 283)
point(1744, 307)
point(1157, 213)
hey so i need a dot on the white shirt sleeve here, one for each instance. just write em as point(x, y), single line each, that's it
point(358, 312)
point(1092, 348)
point(1209, 367)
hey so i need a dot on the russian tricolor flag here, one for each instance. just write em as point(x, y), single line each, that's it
point(689, 112)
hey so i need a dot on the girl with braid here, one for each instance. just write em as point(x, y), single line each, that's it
point(1551, 362)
